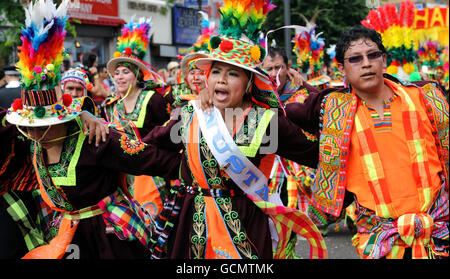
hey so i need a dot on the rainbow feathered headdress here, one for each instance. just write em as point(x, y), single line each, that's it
point(308, 46)
point(135, 38)
point(243, 17)
point(208, 30)
point(238, 37)
point(396, 29)
point(42, 51)
point(238, 44)
point(132, 47)
point(309, 50)
point(40, 58)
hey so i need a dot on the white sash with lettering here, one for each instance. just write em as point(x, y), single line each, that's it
point(230, 158)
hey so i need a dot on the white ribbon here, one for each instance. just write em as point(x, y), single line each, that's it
point(297, 28)
point(230, 158)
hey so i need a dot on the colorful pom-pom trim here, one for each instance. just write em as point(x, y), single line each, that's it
point(17, 104)
point(215, 42)
point(226, 46)
point(131, 146)
point(128, 51)
point(39, 111)
point(66, 99)
point(255, 53)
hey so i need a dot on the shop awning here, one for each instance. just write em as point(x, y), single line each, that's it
point(100, 21)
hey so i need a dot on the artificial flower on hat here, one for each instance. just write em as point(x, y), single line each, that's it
point(237, 43)
point(40, 59)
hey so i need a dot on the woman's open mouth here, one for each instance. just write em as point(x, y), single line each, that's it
point(221, 95)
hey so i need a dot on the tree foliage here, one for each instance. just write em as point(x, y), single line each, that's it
point(337, 16)
point(12, 16)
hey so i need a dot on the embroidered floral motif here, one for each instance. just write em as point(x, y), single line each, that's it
point(134, 115)
point(234, 225)
point(131, 146)
point(55, 193)
point(210, 166)
point(198, 240)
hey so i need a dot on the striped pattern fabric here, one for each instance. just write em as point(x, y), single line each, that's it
point(382, 124)
point(24, 180)
point(292, 192)
point(415, 133)
point(39, 97)
point(286, 219)
point(380, 237)
point(49, 220)
point(17, 210)
point(164, 222)
point(372, 164)
point(125, 217)
point(415, 230)
point(118, 212)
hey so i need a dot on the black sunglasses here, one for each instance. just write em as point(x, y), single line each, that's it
point(358, 58)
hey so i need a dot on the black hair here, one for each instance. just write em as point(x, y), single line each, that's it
point(354, 34)
point(89, 59)
point(140, 80)
point(273, 51)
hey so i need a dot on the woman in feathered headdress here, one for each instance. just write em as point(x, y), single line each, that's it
point(138, 87)
point(81, 182)
point(223, 208)
point(141, 103)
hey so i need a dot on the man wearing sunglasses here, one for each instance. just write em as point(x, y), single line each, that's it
point(384, 148)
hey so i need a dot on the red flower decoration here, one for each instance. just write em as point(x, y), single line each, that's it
point(66, 99)
point(128, 51)
point(226, 46)
point(17, 104)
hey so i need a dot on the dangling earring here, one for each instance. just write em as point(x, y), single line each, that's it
point(248, 90)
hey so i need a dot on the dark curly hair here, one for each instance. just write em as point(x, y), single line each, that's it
point(354, 34)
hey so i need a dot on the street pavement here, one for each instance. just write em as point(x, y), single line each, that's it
point(338, 242)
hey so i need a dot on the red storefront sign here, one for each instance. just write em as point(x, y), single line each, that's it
point(431, 17)
point(97, 12)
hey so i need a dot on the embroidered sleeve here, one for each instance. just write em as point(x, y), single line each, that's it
point(322, 112)
point(306, 115)
point(131, 155)
point(293, 145)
